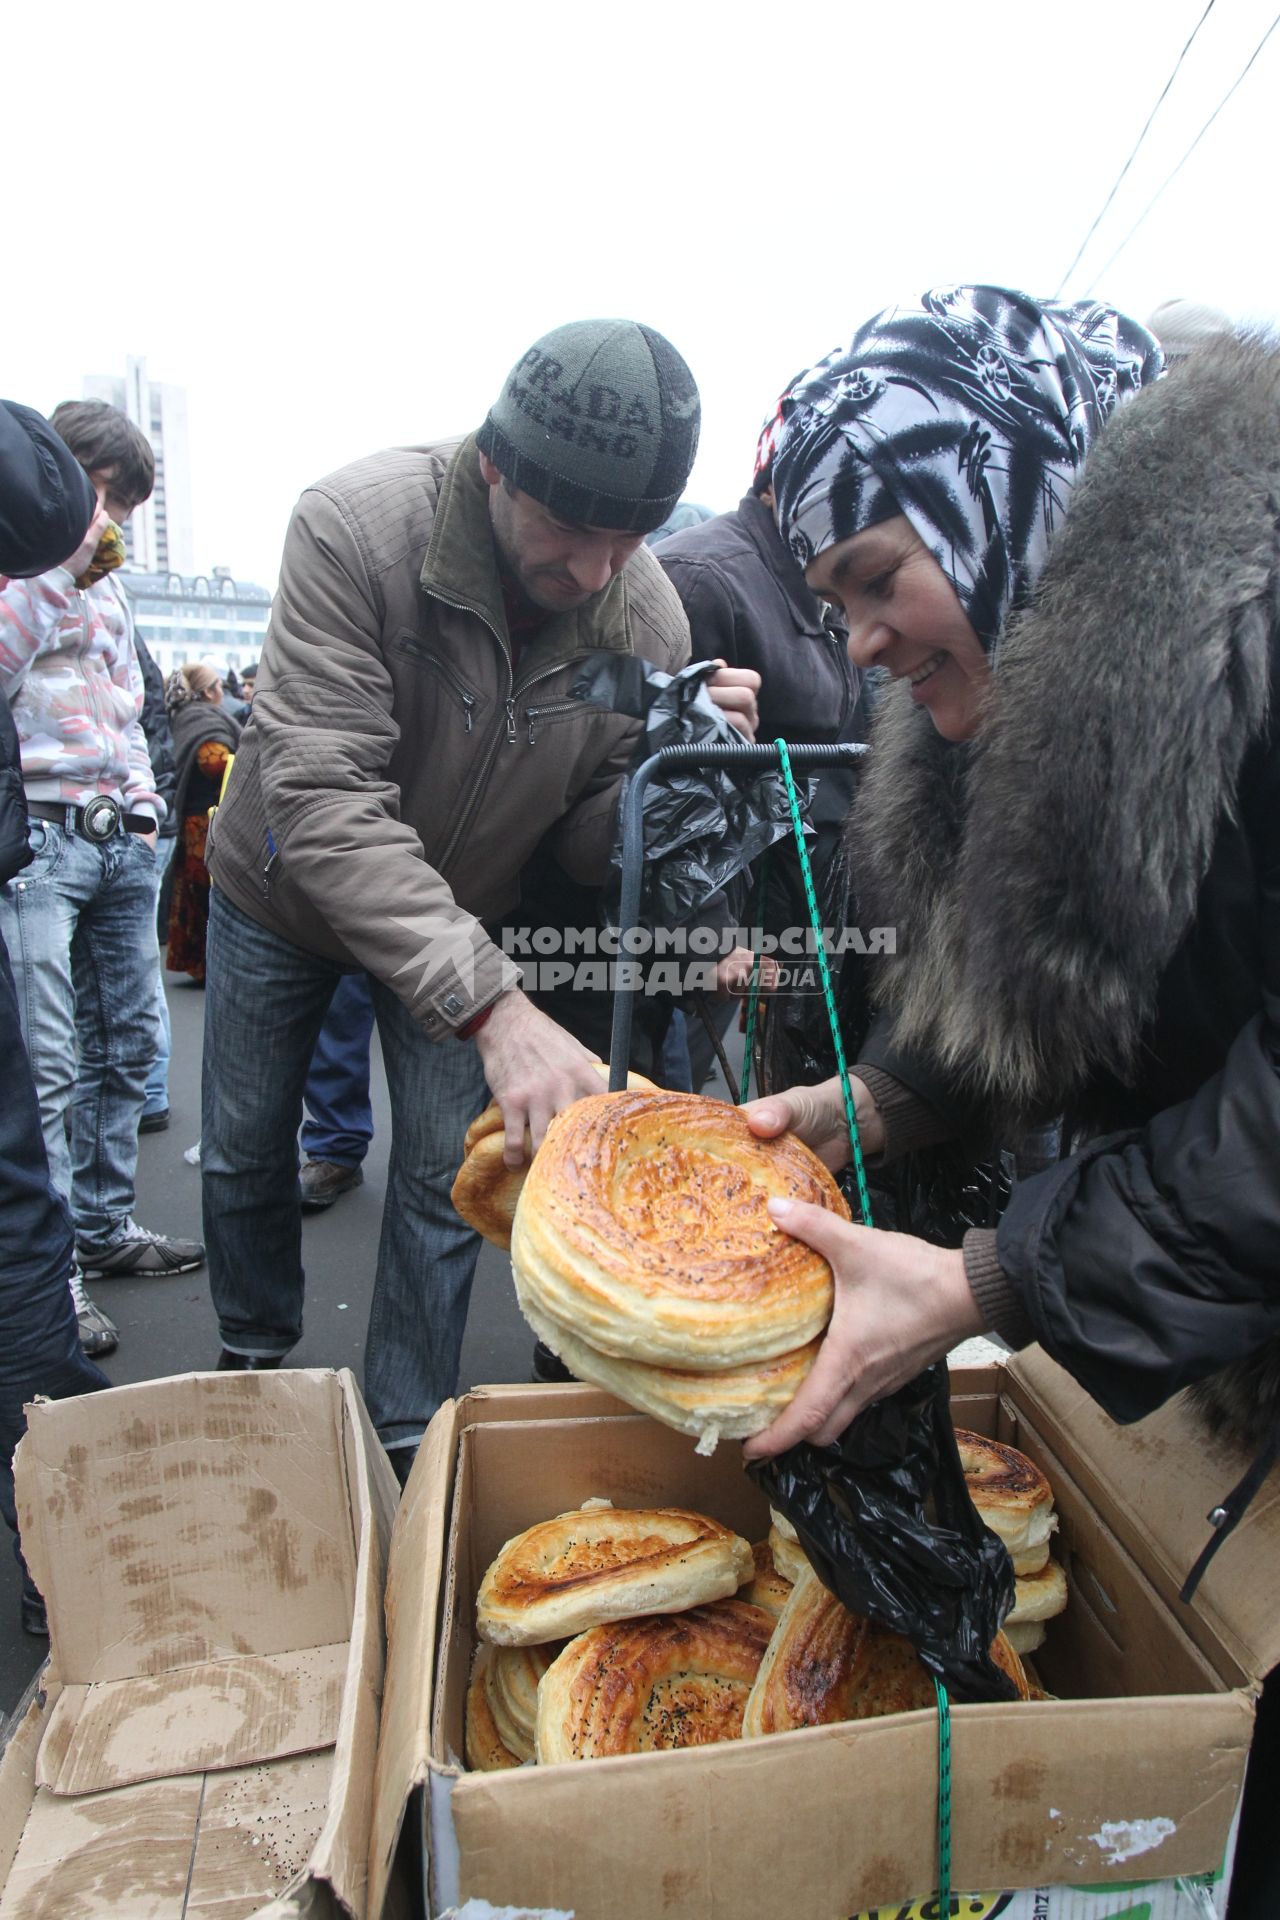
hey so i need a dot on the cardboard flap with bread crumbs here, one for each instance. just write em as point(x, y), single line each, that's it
point(213, 1552)
point(222, 1591)
point(1154, 1482)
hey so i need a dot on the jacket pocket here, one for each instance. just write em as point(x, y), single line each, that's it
point(464, 697)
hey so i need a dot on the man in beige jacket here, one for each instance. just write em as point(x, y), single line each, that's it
point(414, 739)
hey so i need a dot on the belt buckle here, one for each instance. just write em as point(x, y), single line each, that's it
point(100, 817)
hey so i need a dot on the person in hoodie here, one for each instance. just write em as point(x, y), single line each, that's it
point(79, 921)
point(48, 509)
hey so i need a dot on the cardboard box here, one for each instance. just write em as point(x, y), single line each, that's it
point(212, 1551)
point(1132, 1776)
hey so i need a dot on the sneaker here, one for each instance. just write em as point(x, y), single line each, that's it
point(548, 1367)
point(135, 1250)
point(322, 1181)
point(157, 1122)
point(97, 1334)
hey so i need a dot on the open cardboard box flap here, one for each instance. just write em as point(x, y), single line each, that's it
point(212, 1549)
point(1154, 1483)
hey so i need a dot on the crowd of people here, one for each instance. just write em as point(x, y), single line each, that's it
point(1030, 550)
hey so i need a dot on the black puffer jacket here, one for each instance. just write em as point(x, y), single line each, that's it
point(1088, 907)
point(46, 497)
point(46, 504)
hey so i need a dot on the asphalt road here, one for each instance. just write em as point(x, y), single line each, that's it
point(167, 1326)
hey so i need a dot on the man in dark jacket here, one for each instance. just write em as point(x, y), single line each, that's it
point(47, 507)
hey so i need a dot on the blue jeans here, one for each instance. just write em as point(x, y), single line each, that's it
point(156, 1097)
point(265, 1003)
point(79, 924)
point(339, 1122)
point(39, 1340)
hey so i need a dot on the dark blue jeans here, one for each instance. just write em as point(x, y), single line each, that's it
point(265, 1002)
point(79, 923)
point(339, 1122)
point(39, 1341)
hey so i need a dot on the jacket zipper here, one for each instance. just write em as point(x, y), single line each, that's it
point(485, 763)
point(451, 680)
point(540, 713)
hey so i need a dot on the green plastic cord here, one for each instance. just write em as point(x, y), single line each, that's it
point(944, 1799)
point(864, 1201)
point(806, 873)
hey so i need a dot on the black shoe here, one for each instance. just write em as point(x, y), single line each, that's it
point(548, 1368)
point(321, 1182)
point(229, 1362)
point(35, 1620)
point(155, 1122)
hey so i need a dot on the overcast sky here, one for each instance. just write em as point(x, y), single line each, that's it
point(338, 227)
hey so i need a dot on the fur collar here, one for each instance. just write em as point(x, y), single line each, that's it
point(1042, 878)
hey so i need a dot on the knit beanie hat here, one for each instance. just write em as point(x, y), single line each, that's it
point(598, 421)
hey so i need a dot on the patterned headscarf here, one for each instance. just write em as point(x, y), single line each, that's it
point(972, 415)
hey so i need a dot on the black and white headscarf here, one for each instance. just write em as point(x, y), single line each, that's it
point(972, 415)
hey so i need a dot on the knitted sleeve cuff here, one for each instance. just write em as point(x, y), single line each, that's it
point(909, 1121)
point(993, 1291)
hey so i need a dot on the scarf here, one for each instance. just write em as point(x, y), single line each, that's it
point(972, 414)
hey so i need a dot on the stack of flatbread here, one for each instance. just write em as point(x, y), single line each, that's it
point(645, 1256)
point(682, 1635)
point(1015, 1500)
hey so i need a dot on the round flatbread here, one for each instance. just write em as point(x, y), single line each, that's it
point(726, 1405)
point(767, 1587)
point(653, 1684)
point(789, 1557)
point(826, 1664)
point(597, 1564)
point(486, 1189)
point(1012, 1495)
point(511, 1686)
point(486, 1750)
point(643, 1228)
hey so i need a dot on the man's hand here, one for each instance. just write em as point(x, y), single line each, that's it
point(734, 691)
point(816, 1116)
point(733, 974)
point(84, 553)
point(899, 1304)
point(534, 1069)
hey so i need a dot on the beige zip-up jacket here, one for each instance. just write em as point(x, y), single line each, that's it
point(395, 777)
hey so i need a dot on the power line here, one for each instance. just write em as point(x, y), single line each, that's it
point(1186, 156)
point(1133, 156)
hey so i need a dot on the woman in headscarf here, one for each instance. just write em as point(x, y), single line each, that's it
point(205, 737)
point(1072, 818)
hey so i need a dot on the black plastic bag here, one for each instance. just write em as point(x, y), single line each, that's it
point(702, 825)
point(887, 1523)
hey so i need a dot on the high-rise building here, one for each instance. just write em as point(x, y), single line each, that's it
point(159, 537)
